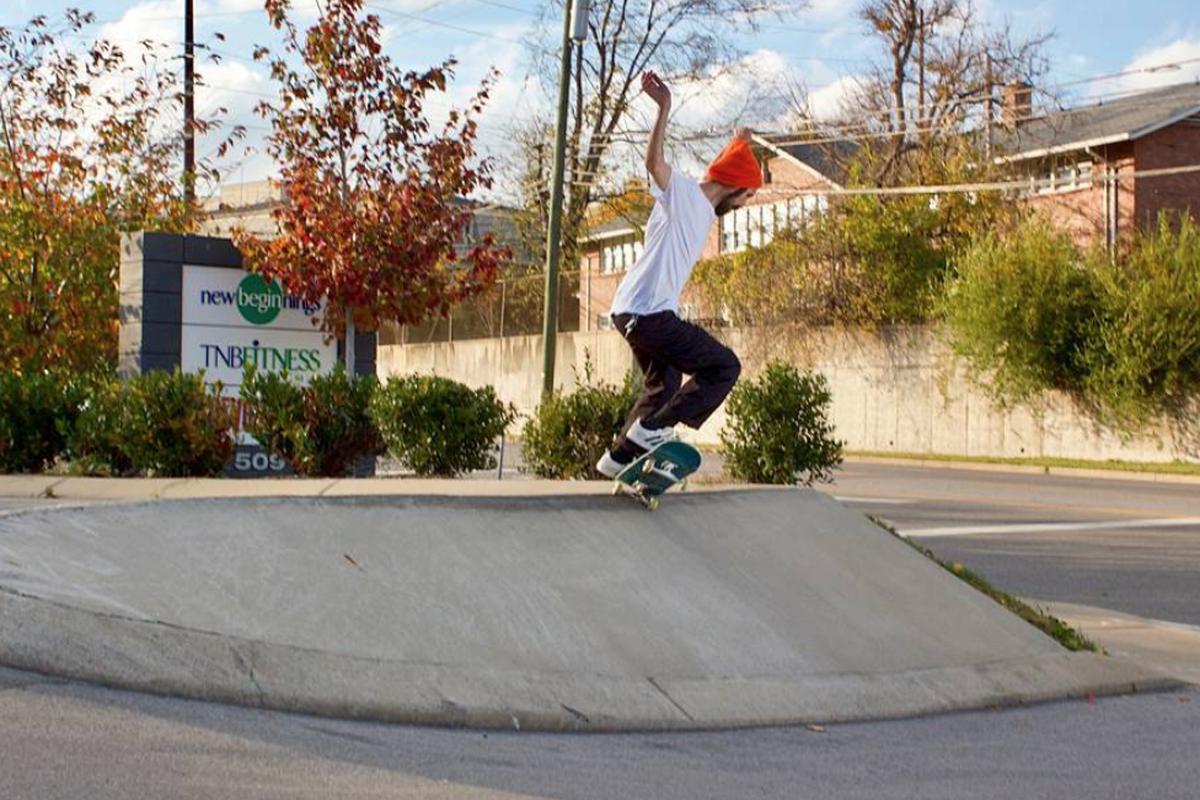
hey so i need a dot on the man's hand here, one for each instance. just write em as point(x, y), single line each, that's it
point(660, 94)
point(658, 91)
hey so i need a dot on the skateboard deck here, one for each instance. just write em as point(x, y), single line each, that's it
point(652, 473)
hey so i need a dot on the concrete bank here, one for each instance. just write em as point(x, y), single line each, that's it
point(530, 605)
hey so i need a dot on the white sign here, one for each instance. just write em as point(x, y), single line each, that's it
point(232, 319)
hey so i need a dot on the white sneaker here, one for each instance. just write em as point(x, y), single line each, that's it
point(608, 466)
point(649, 438)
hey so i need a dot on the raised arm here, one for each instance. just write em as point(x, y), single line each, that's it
point(656, 163)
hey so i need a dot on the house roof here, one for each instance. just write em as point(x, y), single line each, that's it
point(1123, 119)
point(617, 226)
point(825, 160)
point(828, 159)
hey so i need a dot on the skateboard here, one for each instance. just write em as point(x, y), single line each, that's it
point(652, 473)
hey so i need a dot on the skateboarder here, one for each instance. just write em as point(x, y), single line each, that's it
point(644, 308)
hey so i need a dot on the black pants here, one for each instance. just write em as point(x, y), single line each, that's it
point(667, 347)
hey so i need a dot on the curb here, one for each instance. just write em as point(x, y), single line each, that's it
point(1028, 469)
point(144, 489)
point(156, 658)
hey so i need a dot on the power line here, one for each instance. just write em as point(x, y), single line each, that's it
point(873, 114)
point(459, 28)
point(828, 134)
point(1139, 71)
point(1032, 184)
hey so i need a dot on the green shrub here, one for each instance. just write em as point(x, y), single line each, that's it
point(777, 428)
point(1020, 311)
point(35, 410)
point(893, 246)
point(864, 261)
point(159, 424)
point(568, 433)
point(96, 438)
point(176, 425)
point(1144, 357)
point(439, 427)
point(321, 429)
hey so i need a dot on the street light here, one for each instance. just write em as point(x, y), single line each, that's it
point(575, 18)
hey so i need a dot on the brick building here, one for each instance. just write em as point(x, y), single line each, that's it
point(1073, 148)
point(1144, 131)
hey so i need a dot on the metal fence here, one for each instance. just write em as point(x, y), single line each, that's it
point(513, 307)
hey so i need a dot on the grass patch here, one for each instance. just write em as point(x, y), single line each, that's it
point(1069, 637)
point(1166, 468)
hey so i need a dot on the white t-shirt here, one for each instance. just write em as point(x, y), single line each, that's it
point(675, 236)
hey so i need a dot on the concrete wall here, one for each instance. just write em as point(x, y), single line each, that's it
point(899, 391)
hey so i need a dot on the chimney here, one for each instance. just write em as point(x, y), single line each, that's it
point(1017, 104)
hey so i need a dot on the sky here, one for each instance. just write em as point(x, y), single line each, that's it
point(822, 48)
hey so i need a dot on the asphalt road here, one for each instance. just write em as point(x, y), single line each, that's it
point(1130, 546)
point(76, 741)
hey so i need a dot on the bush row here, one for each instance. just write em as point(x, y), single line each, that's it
point(777, 430)
point(173, 425)
point(1032, 312)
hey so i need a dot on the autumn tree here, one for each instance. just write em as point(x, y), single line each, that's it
point(89, 147)
point(369, 219)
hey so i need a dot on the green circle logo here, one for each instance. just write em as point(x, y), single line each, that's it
point(258, 301)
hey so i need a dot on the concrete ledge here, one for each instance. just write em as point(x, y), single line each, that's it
point(125, 653)
point(142, 489)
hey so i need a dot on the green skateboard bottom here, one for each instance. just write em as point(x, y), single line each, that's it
point(653, 473)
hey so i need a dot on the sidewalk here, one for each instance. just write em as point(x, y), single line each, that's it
point(1172, 648)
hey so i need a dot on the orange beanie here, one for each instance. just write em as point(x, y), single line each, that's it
point(736, 166)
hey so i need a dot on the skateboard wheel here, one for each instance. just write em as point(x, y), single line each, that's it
point(616, 488)
point(652, 504)
point(647, 466)
point(683, 484)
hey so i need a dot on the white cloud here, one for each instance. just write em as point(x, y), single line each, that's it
point(748, 92)
point(156, 21)
point(833, 9)
point(828, 101)
point(232, 85)
point(238, 6)
point(1178, 51)
point(513, 100)
point(302, 8)
point(409, 6)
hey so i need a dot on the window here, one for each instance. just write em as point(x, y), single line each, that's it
point(755, 226)
point(1059, 179)
point(620, 257)
point(729, 241)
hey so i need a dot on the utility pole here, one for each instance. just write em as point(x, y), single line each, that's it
point(574, 28)
point(921, 74)
point(189, 104)
point(987, 103)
